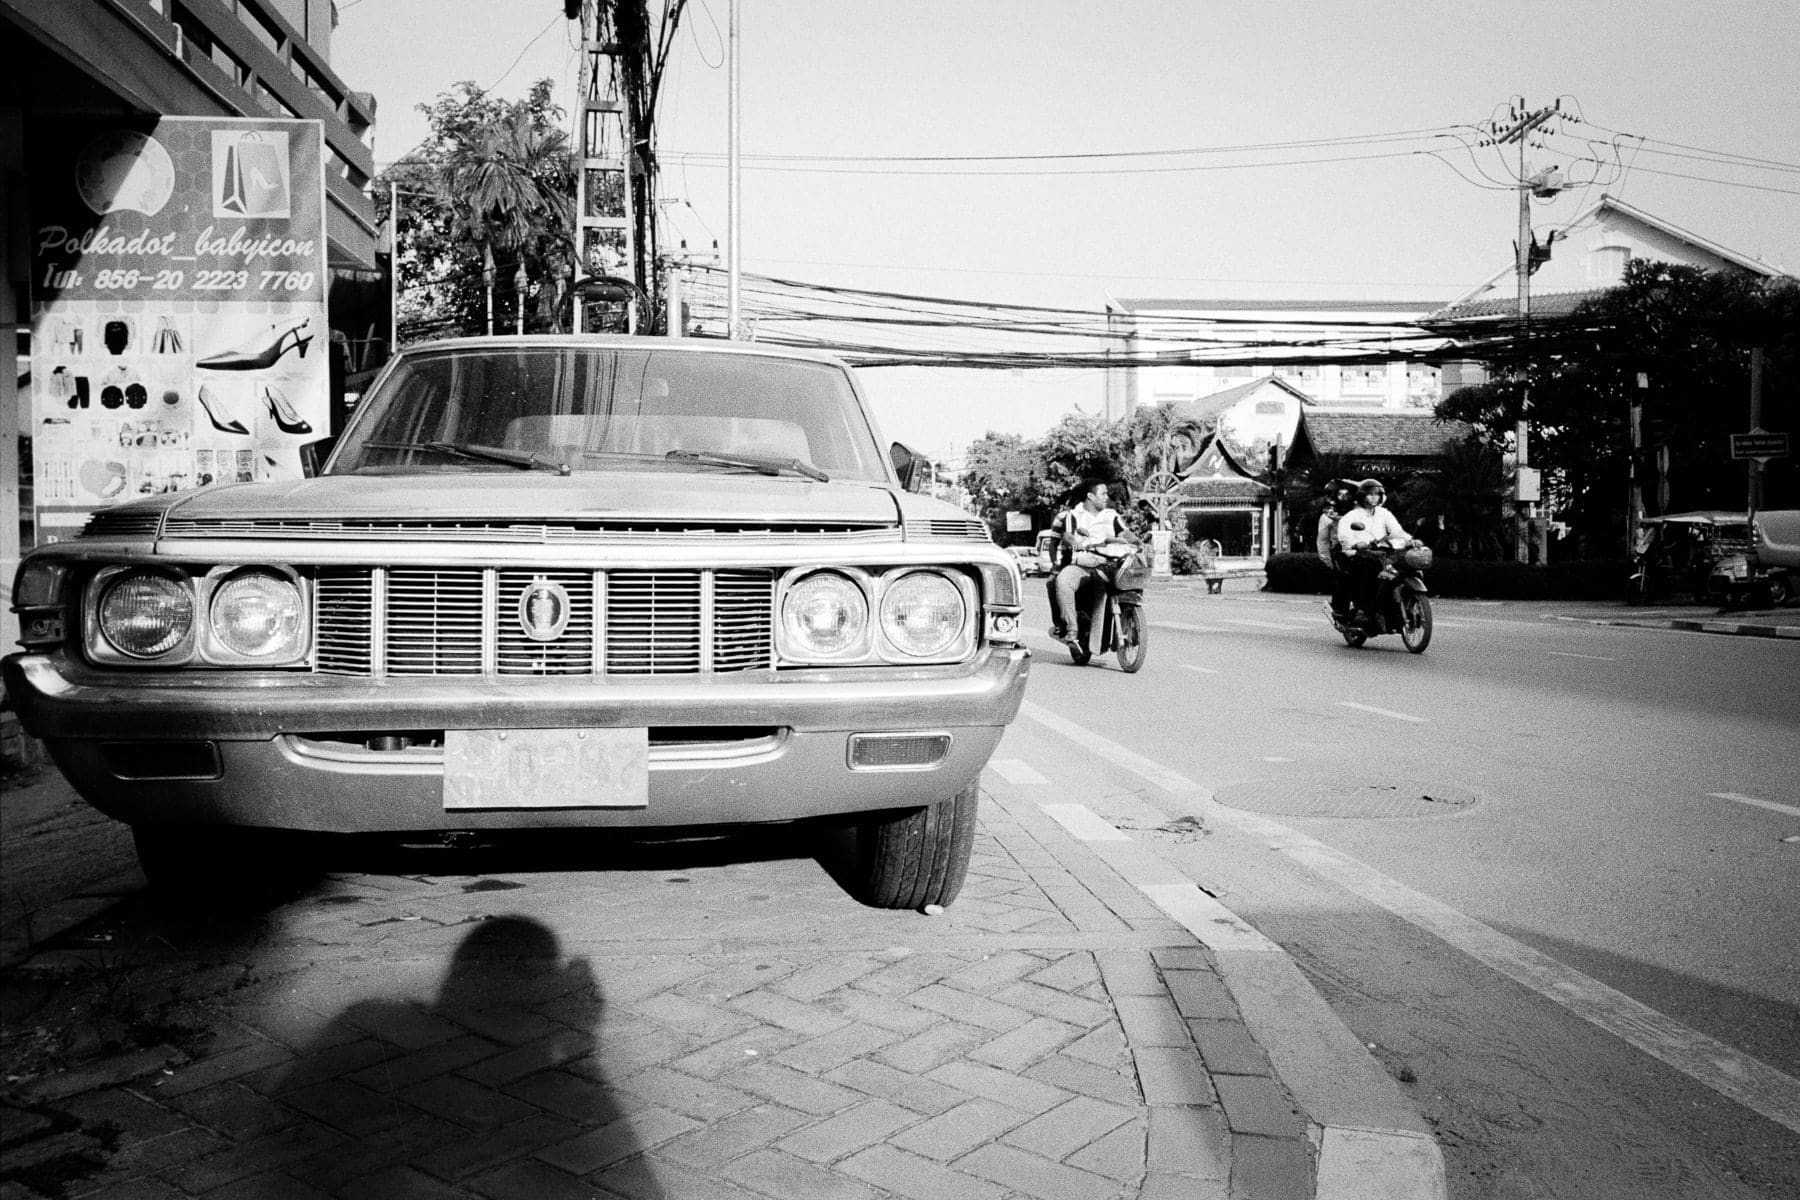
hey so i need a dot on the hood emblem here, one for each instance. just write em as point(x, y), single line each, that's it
point(544, 610)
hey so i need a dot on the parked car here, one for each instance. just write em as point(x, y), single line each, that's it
point(1031, 563)
point(567, 582)
point(1767, 571)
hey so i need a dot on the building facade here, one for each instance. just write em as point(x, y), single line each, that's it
point(1186, 350)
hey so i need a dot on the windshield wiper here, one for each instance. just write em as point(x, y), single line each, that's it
point(526, 459)
point(750, 462)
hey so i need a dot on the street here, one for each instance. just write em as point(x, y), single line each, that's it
point(1614, 798)
point(1538, 871)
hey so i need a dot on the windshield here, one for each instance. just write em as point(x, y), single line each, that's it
point(606, 408)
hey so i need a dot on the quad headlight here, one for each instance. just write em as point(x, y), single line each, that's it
point(222, 616)
point(145, 615)
point(922, 613)
point(825, 615)
point(259, 615)
point(854, 616)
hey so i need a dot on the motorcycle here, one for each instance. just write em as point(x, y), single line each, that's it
point(1402, 604)
point(1113, 596)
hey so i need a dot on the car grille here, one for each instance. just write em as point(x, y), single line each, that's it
point(459, 621)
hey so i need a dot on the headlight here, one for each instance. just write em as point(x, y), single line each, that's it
point(922, 614)
point(824, 615)
point(259, 615)
point(144, 615)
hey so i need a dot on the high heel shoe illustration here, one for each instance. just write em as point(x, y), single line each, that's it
point(282, 411)
point(264, 350)
point(211, 404)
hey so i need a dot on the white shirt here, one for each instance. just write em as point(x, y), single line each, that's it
point(1090, 527)
point(1375, 526)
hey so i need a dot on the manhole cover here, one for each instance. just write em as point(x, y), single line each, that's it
point(1383, 798)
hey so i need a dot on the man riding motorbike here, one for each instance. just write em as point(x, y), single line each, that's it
point(1091, 523)
point(1367, 523)
point(1340, 498)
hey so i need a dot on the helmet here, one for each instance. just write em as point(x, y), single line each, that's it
point(1371, 487)
point(1341, 494)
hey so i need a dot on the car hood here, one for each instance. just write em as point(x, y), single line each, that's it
point(534, 495)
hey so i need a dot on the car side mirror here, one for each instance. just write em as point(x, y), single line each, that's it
point(907, 462)
point(314, 454)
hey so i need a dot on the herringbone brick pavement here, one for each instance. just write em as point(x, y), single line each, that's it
point(714, 1020)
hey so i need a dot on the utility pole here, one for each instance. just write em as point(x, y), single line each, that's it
point(1523, 122)
point(734, 202)
point(393, 268)
point(602, 142)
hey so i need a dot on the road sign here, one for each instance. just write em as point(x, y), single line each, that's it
point(1759, 444)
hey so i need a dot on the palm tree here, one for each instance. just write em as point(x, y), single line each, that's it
point(510, 183)
point(1160, 439)
point(1463, 499)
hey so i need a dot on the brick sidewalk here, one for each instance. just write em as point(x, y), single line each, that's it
point(690, 1024)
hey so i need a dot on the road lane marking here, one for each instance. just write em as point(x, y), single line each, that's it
point(1111, 751)
point(1789, 809)
point(1086, 824)
point(1199, 670)
point(1275, 758)
point(1183, 627)
point(1381, 712)
point(1590, 657)
point(1265, 624)
point(1726, 1070)
point(1016, 770)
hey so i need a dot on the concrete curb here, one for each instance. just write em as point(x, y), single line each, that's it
point(1688, 625)
point(1371, 1141)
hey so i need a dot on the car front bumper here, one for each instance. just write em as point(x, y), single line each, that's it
point(294, 751)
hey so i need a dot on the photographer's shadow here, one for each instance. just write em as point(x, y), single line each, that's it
point(492, 1078)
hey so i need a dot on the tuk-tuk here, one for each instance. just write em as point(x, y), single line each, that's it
point(1675, 554)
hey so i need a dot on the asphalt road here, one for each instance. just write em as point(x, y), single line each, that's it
point(1534, 819)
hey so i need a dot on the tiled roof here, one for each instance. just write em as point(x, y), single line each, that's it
point(1550, 305)
point(1221, 488)
point(1387, 434)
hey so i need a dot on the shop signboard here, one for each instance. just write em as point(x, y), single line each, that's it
point(178, 288)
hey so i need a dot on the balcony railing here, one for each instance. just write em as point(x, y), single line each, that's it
point(246, 52)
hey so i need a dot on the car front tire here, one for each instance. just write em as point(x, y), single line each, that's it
point(919, 857)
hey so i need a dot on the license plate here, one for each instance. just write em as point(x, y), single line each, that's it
point(546, 768)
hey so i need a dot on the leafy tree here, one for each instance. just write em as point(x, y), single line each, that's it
point(1161, 440)
point(1460, 506)
point(1005, 472)
point(495, 177)
point(1689, 333)
point(1081, 447)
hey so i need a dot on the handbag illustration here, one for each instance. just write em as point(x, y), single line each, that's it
point(255, 182)
point(168, 338)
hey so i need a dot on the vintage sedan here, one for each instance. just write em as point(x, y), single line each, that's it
point(627, 583)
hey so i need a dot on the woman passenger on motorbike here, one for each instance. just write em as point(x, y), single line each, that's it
point(1340, 498)
point(1089, 524)
point(1362, 526)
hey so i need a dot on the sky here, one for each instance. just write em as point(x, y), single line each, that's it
point(1055, 153)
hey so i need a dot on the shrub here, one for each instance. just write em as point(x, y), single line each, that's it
point(1589, 579)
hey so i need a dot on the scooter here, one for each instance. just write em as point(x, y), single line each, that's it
point(1402, 604)
point(1112, 596)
